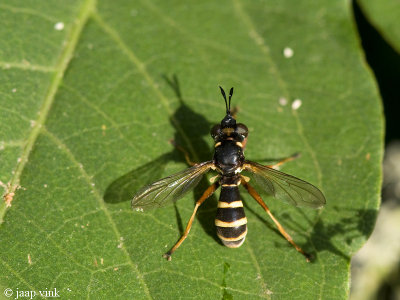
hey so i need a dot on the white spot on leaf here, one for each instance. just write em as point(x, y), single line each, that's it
point(288, 52)
point(283, 101)
point(296, 104)
point(59, 26)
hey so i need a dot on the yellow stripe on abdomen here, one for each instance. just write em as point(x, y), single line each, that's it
point(236, 223)
point(230, 204)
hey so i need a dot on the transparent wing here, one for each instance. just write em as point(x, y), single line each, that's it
point(171, 188)
point(285, 187)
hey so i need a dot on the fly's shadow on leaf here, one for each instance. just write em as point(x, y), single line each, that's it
point(194, 126)
point(322, 235)
point(125, 187)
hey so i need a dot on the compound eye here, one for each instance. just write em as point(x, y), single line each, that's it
point(216, 131)
point(242, 130)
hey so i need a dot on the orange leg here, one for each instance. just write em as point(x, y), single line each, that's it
point(185, 153)
point(207, 193)
point(260, 201)
point(285, 160)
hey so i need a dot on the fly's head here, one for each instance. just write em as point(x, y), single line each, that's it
point(230, 139)
point(229, 129)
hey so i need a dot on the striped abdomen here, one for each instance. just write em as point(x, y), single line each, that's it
point(231, 220)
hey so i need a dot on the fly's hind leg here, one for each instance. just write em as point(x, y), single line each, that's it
point(207, 193)
point(260, 201)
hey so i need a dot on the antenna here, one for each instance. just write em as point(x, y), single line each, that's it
point(228, 106)
point(230, 97)
point(226, 102)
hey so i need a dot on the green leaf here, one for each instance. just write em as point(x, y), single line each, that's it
point(385, 16)
point(87, 115)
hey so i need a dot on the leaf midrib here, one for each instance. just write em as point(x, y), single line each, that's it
point(62, 64)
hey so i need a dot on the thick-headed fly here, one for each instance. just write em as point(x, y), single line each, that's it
point(231, 223)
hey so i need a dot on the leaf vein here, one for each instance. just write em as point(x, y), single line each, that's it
point(103, 115)
point(142, 68)
point(259, 40)
point(102, 206)
point(26, 66)
point(27, 11)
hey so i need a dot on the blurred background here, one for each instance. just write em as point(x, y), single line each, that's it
point(376, 267)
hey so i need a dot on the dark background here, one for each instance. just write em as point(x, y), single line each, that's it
point(385, 63)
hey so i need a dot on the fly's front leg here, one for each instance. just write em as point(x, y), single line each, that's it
point(234, 111)
point(185, 153)
point(285, 160)
point(207, 193)
point(260, 201)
